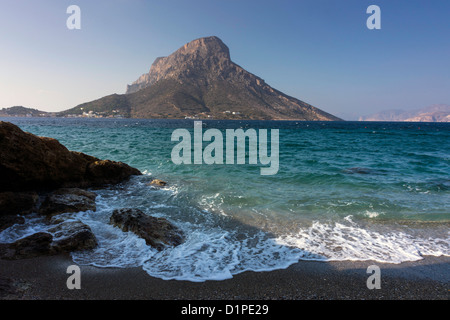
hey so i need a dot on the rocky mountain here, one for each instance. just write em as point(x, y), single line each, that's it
point(434, 113)
point(200, 80)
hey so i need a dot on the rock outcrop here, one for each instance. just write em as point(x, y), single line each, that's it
point(72, 235)
point(37, 244)
point(157, 232)
point(32, 163)
point(67, 200)
point(158, 183)
point(64, 237)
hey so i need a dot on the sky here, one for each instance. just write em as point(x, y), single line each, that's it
point(319, 51)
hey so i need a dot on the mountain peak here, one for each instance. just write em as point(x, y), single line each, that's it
point(207, 46)
point(203, 54)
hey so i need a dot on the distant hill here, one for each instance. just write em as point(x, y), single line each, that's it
point(19, 111)
point(199, 80)
point(434, 113)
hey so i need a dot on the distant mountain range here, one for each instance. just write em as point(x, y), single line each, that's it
point(434, 113)
point(199, 80)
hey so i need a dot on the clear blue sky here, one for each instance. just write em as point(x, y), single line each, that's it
point(319, 51)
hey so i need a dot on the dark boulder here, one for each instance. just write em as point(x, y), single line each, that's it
point(38, 244)
point(66, 236)
point(68, 200)
point(72, 235)
point(29, 162)
point(157, 232)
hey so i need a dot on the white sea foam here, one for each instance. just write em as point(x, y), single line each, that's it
point(372, 214)
point(213, 203)
point(115, 249)
point(33, 224)
point(218, 255)
point(348, 241)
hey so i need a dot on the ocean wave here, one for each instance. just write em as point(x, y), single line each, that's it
point(347, 241)
point(217, 246)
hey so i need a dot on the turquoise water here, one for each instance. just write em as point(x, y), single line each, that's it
point(344, 191)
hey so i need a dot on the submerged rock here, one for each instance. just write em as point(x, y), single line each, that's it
point(157, 232)
point(67, 200)
point(158, 183)
point(358, 170)
point(29, 162)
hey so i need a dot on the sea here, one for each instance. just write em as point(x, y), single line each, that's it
point(344, 191)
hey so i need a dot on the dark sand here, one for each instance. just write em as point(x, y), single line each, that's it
point(45, 278)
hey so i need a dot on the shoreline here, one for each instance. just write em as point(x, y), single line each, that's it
point(44, 278)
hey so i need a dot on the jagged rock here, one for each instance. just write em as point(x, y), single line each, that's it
point(109, 172)
point(157, 232)
point(38, 244)
point(29, 162)
point(67, 200)
point(72, 235)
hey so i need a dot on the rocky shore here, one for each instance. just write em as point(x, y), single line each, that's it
point(40, 176)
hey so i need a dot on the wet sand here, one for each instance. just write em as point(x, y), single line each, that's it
point(44, 278)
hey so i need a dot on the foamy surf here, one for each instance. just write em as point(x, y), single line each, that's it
point(217, 246)
point(213, 253)
point(347, 241)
